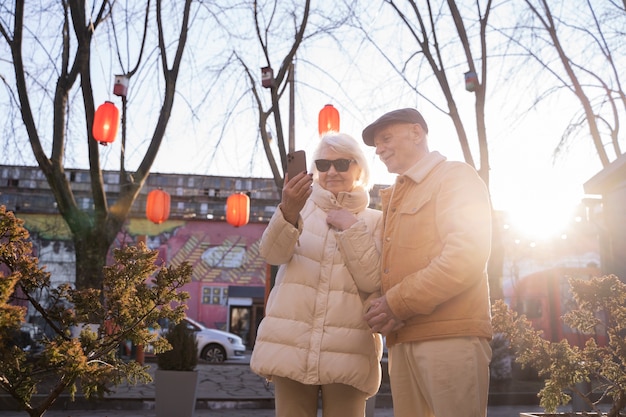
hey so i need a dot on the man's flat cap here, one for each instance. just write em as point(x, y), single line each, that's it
point(407, 115)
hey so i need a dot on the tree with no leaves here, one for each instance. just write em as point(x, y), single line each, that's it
point(537, 48)
point(577, 50)
point(445, 41)
point(54, 51)
point(280, 31)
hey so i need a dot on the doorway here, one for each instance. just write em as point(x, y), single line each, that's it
point(240, 323)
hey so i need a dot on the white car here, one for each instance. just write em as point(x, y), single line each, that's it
point(214, 345)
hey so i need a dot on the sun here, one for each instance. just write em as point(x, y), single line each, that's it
point(540, 219)
point(540, 222)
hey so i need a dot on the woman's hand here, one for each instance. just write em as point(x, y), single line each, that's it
point(295, 193)
point(341, 219)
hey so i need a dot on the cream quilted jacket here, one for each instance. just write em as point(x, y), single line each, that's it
point(314, 331)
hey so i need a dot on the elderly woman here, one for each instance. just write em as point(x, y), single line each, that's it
point(313, 339)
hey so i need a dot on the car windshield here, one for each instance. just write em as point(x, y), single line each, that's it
point(195, 323)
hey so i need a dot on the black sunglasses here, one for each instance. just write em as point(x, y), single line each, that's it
point(341, 165)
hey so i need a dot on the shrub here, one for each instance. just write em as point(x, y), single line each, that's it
point(600, 304)
point(183, 356)
point(135, 294)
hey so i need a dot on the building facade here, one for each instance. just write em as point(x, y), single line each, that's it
point(227, 290)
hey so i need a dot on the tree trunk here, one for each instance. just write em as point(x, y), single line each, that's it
point(92, 247)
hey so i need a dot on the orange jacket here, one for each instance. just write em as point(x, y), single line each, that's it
point(436, 244)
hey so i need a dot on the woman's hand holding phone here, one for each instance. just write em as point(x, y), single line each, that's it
point(295, 193)
point(296, 163)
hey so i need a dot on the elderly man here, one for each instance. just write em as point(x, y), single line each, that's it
point(435, 309)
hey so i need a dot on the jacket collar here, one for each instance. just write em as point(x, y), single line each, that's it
point(422, 168)
point(355, 201)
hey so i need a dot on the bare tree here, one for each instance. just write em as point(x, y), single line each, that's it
point(445, 39)
point(280, 31)
point(53, 54)
point(590, 68)
point(430, 28)
point(282, 81)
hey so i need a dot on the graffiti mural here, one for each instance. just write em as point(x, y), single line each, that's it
point(221, 255)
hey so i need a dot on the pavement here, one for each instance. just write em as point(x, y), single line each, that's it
point(496, 411)
point(231, 390)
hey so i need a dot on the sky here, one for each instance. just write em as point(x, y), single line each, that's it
point(540, 192)
point(221, 137)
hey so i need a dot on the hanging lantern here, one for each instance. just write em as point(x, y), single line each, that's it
point(267, 77)
point(471, 81)
point(158, 206)
point(120, 88)
point(328, 119)
point(105, 123)
point(238, 209)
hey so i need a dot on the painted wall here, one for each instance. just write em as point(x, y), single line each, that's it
point(221, 256)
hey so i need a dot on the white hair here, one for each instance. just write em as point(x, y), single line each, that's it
point(344, 144)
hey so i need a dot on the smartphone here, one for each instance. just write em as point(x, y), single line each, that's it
point(296, 163)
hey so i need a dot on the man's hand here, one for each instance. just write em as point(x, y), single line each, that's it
point(381, 319)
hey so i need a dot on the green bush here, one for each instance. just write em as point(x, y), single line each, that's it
point(135, 293)
point(600, 305)
point(183, 356)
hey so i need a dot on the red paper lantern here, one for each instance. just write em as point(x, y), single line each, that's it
point(105, 123)
point(238, 209)
point(158, 206)
point(328, 119)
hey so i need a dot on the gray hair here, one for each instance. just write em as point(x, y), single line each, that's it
point(345, 144)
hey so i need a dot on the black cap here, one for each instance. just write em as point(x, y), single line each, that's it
point(397, 116)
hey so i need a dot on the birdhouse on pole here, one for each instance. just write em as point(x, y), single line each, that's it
point(471, 81)
point(120, 88)
point(267, 77)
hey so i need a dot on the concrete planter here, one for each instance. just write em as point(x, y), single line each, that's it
point(565, 414)
point(175, 393)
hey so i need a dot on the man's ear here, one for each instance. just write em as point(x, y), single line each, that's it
point(418, 133)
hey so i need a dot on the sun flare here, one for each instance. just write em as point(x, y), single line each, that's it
point(541, 220)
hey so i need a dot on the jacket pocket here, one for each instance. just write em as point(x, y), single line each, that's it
point(416, 226)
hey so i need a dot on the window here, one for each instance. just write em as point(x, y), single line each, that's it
point(86, 204)
point(214, 295)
